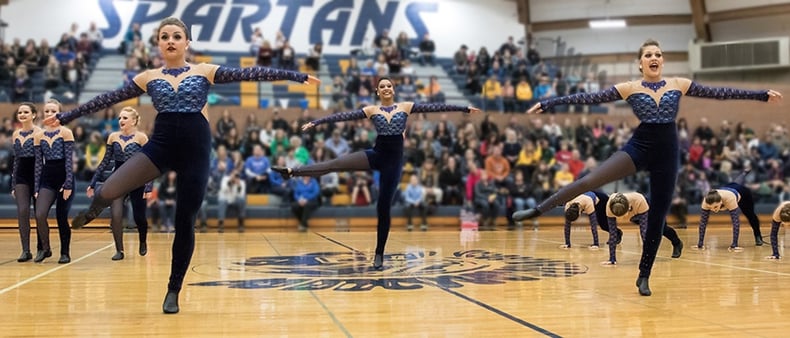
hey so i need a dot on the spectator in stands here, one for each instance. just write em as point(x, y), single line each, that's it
point(95, 36)
point(250, 141)
point(427, 50)
point(382, 41)
point(313, 60)
point(85, 46)
point(648, 148)
point(461, 60)
point(94, 153)
point(257, 171)
point(523, 95)
point(23, 175)
point(232, 193)
point(52, 74)
point(392, 55)
point(330, 185)
point(256, 41)
point(429, 180)
point(520, 192)
point(544, 88)
point(404, 45)
point(22, 85)
point(492, 95)
point(407, 91)
point(486, 201)
point(306, 200)
point(704, 131)
point(54, 183)
point(287, 56)
point(168, 196)
point(451, 181)
point(30, 57)
point(339, 94)
point(225, 124)
point(265, 54)
point(360, 189)
point(433, 91)
point(497, 167)
point(132, 35)
point(509, 97)
point(414, 200)
point(338, 145)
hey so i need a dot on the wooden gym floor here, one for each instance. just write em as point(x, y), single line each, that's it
point(435, 284)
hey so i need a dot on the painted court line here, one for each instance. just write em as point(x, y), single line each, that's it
point(61, 266)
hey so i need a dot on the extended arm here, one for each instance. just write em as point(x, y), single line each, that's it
point(102, 101)
point(437, 108)
point(724, 93)
point(607, 95)
point(341, 116)
point(226, 74)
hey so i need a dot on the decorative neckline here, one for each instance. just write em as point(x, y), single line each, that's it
point(175, 72)
point(126, 138)
point(51, 134)
point(25, 133)
point(388, 109)
point(655, 86)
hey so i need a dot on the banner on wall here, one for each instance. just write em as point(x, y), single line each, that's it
point(226, 25)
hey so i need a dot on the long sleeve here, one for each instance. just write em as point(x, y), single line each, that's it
point(102, 101)
point(594, 227)
point(148, 187)
point(14, 172)
point(226, 74)
point(724, 93)
point(39, 167)
point(68, 156)
point(703, 225)
point(607, 95)
point(105, 161)
point(437, 108)
point(341, 116)
point(312, 190)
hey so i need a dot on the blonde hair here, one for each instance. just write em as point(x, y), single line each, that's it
point(55, 102)
point(618, 204)
point(135, 114)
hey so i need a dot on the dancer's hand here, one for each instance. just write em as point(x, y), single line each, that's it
point(536, 109)
point(473, 110)
point(89, 192)
point(52, 121)
point(66, 194)
point(312, 80)
point(307, 126)
point(774, 96)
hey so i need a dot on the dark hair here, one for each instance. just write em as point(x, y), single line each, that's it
point(712, 197)
point(618, 204)
point(572, 212)
point(175, 22)
point(379, 82)
point(647, 43)
point(784, 214)
point(30, 105)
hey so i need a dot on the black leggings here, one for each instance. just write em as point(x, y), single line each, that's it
point(47, 197)
point(385, 157)
point(23, 197)
point(138, 213)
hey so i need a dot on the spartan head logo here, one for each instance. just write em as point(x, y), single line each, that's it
point(352, 271)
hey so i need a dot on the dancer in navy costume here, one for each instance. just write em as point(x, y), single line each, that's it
point(735, 198)
point(595, 200)
point(386, 156)
point(54, 183)
point(23, 175)
point(181, 140)
point(121, 145)
point(781, 216)
point(653, 146)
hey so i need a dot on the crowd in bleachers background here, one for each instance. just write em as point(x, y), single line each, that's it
point(526, 160)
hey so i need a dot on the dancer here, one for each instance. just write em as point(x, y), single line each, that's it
point(54, 182)
point(386, 156)
point(633, 206)
point(780, 217)
point(653, 146)
point(23, 174)
point(181, 140)
point(121, 145)
point(735, 198)
point(593, 204)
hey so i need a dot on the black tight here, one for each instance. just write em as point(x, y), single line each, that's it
point(22, 195)
point(46, 198)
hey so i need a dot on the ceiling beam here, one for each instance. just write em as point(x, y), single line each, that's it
point(636, 20)
point(746, 13)
point(699, 15)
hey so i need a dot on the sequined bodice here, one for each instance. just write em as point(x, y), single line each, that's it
point(53, 151)
point(647, 111)
point(24, 149)
point(190, 97)
point(395, 126)
point(121, 154)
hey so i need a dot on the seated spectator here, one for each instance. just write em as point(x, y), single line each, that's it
point(523, 95)
point(338, 145)
point(544, 88)
point(414, 199)
point(287, 56)
point(392, 55)
point(433, 91)
point(486, 201)
point(509, 97)
point(429, 178)
point(167, 202)
point(265, 54)
point(427, 50)
point(461, 60)
point(492, 95)
point(451, 181)
point(313, 60)
point(330, 185)
point(407, 91)
point(306, 194)
point(22, 85)
point(256, 169)
point(360, 189)
point(497, 166)
point(232, 193)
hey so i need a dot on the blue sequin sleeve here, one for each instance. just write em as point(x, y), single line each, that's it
point(724, 93)
point(100, 102)
point(149, 187)
point(607, 95)
point(342, 116)
point(257, 73)
point(437, 108)
point(105, 161)
point(39, 167)
point(68, 156)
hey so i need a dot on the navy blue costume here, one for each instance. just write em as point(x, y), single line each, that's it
point(181, 141)
point(54, 173)
point(120, 148)
point(386, 156)
point(745, 205)
point(22, 183)
point(653, 147)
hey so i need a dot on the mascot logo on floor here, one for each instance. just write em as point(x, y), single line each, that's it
point(352, 271)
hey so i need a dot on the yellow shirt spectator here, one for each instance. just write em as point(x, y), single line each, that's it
point(523, 91)
point(492, 89)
